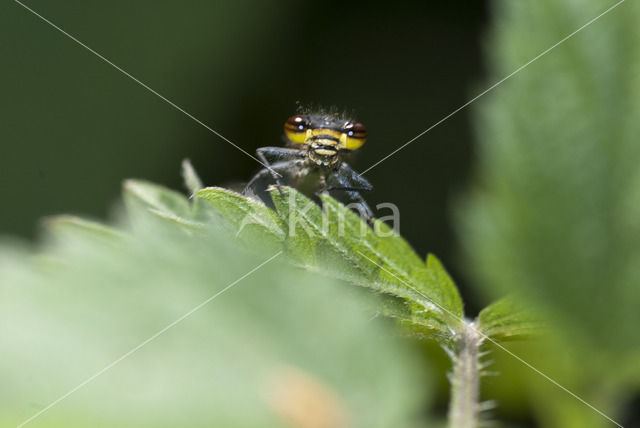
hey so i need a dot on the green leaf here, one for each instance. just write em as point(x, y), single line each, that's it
point(190, 312)
point(191, 179)
point(556, 217)
point(249, 219)
point(506, 319)
point(339, 242)
point(143, 199)
point(65, 225)
point(156, 199)
point(448, 292)
point(336, 243)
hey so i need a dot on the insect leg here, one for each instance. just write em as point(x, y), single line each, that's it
point(363, 207)
point(277, 154)
point(260, 175)
point(280, 168)
point(351, 180)
point(347, 179)
point(342, 184)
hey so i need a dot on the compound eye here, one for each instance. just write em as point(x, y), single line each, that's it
point(295, 128)
point(356, 135)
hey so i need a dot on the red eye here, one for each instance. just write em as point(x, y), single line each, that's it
point(296, 123)
point(356, 130)
point(295, 128)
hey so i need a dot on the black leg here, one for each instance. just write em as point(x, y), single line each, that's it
point(259, 176)
point(341, 182)
point(351, 180)
point(363, 207)
point(277, 154)
point(350, 189)
point(279, 168)
point(268, 168)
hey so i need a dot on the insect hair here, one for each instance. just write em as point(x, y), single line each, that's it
point(332, 112)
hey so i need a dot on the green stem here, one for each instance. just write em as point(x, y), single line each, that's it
point(464, 408)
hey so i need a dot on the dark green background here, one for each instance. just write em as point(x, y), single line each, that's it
point(73, 127)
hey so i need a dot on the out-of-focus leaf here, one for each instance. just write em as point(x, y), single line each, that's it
point(508, 320)
point(67, 224)
point(143, 198)
point(275, 338)
point(191, 179)
point(554, 218)
point(153, 198)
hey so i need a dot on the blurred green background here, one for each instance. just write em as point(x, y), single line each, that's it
point(539, 178)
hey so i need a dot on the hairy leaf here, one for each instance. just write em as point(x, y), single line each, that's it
point(249, 219)
point(191, 179)
point(334, 240)
point(554, 218)
point(508, 320)
point(168, 328)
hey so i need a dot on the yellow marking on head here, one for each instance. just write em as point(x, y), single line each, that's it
point(325, 152)
point(343, 140)
point(325, 142)
point(299, 130)
point(346, 142)
point(324, 131)
point(295, 135)
point(351, 143)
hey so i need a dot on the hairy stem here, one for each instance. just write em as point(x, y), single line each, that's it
point(464, 408)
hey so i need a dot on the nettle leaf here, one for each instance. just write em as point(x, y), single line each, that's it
point(93, 294)
point(395, 262)
point(143, 198)
point(191, 179)
point(340, 244)
point(157, 198)
point(447, 290)
point(334, 241)
point(249, 219)
point(555, 218)
point(506, 319)
point(65, 225)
